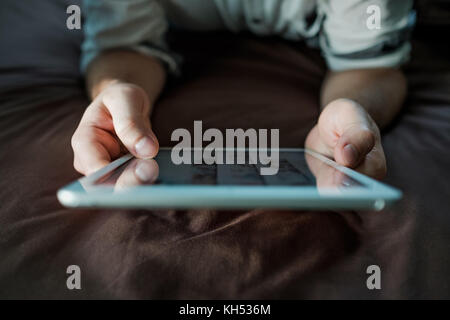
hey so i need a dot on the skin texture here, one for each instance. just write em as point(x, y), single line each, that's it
point(117, 120)
point(355, 104)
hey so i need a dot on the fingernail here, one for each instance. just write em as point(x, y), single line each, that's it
point(144, 171)
point(351, 154)
point(144, 147)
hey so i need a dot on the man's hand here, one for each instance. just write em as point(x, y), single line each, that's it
point(117, 121)
point(347, 133)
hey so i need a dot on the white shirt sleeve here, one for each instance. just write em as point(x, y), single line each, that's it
point(352, 39)
point(138, 25)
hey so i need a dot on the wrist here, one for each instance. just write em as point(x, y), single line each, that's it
point(114, 67)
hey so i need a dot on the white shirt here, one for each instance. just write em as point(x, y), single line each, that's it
point(341, 26)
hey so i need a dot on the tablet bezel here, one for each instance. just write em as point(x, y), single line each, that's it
point(374, 195)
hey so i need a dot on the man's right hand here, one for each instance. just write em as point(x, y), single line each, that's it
point(116, 122)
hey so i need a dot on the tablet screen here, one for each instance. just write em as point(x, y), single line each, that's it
point(294, 168)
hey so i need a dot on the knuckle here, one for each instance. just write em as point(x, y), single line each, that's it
point(380, 169)
point(366, 141)
point(369, 135)
point(127, 90)
point(342, 105)
point(75, 141)
point(80, 139)
point(130, 90)
point(77, 166)
point(131, 98)
point(89, 113)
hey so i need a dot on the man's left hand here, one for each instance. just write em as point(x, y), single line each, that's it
point(346, 133)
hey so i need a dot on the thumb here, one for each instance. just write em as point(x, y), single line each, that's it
point(129, 108)
point(353, 145)
point(137, 137)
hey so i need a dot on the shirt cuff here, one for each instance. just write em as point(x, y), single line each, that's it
point(170, 60)
point(393, 59)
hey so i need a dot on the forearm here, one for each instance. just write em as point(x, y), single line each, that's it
point(380, 91)
point(126, 66)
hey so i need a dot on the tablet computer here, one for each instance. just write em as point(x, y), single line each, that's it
point(303, 180)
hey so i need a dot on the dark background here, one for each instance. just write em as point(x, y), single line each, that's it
point(228, 82)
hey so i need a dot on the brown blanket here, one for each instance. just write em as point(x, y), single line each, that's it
point(236, 82)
